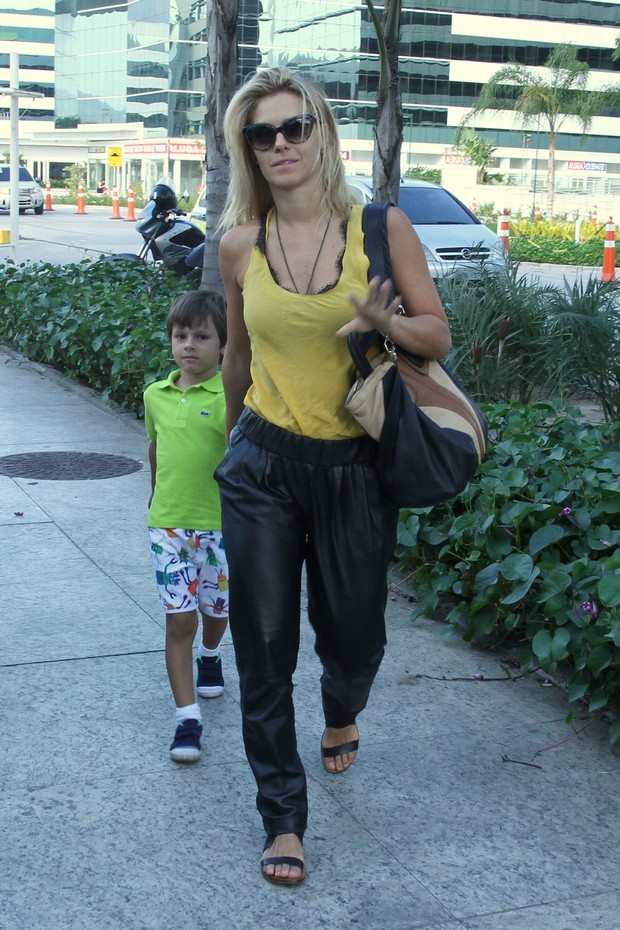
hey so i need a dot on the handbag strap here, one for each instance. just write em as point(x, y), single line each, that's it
point(376, 242)
point(377, 249)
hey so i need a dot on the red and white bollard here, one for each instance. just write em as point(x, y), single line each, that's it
point(503, 230)
point(609, 252)
point(80, 197)
point(131, 206)
point(116, 210)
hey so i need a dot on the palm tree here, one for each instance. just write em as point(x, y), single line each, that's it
point(388, 128)
point(479, 151)
point(558, 96)
point(220, 77)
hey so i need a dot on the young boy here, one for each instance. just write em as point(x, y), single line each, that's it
point(185, 421)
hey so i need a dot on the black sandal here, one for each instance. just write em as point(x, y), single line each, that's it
point(330, 752)
point(282, 860)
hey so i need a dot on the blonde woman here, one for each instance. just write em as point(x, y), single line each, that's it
point(298, 482)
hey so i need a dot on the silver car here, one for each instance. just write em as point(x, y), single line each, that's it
point(30, 193)
point(453, 238)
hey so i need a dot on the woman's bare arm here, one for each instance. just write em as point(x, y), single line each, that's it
point(235, 247)
point(424, 328)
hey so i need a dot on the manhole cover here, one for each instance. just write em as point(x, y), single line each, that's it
point(67, 466)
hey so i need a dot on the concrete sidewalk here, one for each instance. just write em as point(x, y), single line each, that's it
point(447, 821)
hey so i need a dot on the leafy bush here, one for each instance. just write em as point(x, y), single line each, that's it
point(556, 229)
point(102, 323)
point(92, 199)
point(499, 333)
point(515, 340)
point(584, 327)
point(530, 551)
point(486, 212)
point(424, 173)
point(556, 251)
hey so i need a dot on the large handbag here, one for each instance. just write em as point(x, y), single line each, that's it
point(431, 434)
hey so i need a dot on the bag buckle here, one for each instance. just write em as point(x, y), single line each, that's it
point(390, 348)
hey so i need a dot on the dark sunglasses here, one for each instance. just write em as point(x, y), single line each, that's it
point(262, 136)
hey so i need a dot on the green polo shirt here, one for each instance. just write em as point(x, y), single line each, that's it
point(189, 429)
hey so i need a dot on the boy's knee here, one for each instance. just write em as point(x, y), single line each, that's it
point(182, 625)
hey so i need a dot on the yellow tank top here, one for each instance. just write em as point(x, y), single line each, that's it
point(301, 371)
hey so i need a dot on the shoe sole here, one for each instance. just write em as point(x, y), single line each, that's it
point(211, 692)
point(185, 755)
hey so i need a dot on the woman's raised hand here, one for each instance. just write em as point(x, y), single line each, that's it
point(375, 312)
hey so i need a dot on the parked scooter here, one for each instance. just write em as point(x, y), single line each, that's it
point(168, 236)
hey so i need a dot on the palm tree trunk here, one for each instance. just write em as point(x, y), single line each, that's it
point(551, 174)
point(220, 76)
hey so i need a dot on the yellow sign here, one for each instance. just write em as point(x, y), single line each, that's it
point(115, 156)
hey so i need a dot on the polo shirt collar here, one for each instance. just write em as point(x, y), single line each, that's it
point(212, 386)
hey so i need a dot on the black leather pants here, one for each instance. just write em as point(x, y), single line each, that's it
point(286, 500)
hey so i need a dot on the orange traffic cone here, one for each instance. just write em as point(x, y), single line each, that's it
point(537, 212)
point(80, 197)
point(594, 215)
point(474, 206)
point(131, 208)
point(48, 196)
point(609, 252)
point(116, 212)
point(504, 229)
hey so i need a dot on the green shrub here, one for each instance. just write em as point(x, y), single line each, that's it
point(424, 173)
point(584, 331)
point(102, 323)
point(555, 229)
point(518, 340)
point(498, 325)
point(556, 251)
point(530, 551)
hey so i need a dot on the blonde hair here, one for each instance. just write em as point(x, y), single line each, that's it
point(248, 193)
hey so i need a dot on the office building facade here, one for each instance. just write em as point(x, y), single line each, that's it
point(137, 69)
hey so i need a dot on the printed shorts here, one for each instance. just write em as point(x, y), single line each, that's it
point(191, 570)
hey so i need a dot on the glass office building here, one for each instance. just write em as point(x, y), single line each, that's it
point(143, 62)
point(449, 49)
point(28, 29)
point(113, 62)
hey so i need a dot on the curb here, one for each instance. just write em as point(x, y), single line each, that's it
point(85, 393)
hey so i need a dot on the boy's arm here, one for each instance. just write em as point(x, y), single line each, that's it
point(153, 464)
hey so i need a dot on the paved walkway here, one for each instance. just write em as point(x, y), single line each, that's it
point(449, 819)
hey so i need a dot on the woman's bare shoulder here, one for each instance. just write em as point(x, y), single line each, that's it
point(235, 250)
point(239, 239)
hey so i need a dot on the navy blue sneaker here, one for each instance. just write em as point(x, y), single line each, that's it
point(210, 683)
point(185, 746)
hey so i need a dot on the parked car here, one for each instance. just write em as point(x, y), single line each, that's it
point(198, 216)
point(453, 238)
point(30, 193)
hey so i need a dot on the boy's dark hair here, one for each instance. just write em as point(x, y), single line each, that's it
point(198, 307)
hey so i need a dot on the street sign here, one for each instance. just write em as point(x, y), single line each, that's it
point(115, 156)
